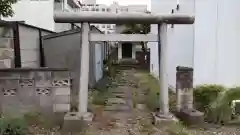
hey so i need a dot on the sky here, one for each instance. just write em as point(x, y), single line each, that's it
point(125, 2)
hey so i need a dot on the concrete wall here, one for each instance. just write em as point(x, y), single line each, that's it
point(180, 40)
point(34, 12)
point(217, 43)
point(29, 45)
point(63, 50)
point(215, 36)
point(25, 90)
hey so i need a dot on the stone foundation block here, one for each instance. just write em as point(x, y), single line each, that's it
point(159, 119)
point(74, 122)
point(191, 116)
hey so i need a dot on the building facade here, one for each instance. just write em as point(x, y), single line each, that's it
point(40, 13)
point(21, 45)
point(217, 43)
point(91, 6)
point(180, 38)
point(31, 12)
point(210, 46)
point(125, 50)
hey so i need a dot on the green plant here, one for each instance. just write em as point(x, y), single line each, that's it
point(204, 95)
point(134, 97)
point(150, 83)
point(6, 8)
point(172, 100)
point(152, 100)
point(36, 118)
point(100, 97)
point(220, 110)
point(177, 128)
point(13, 126)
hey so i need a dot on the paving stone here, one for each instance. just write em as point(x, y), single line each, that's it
point(116, 101)
point(117, 108)
point(118, 95)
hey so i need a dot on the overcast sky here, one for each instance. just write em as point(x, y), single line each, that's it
point(125, 2)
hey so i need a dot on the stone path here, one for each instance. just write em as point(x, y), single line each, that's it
point(122, 118)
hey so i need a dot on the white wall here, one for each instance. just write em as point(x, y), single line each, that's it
point(217, 42)
point(29, 46)
point(37, 13)
point(180, 39)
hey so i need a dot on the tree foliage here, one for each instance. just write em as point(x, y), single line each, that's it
point(138, 29)
point(6, 7)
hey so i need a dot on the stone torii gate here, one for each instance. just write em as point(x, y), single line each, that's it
point(85, 18)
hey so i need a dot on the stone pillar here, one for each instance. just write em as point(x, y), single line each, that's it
point(184, 88)
point(84, 71)
point(162, 53)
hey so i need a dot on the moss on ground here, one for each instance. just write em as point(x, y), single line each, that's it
point(151, 85)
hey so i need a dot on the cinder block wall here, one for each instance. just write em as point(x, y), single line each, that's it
point(39, 89)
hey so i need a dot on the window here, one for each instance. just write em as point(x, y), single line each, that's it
point(93, 9)
point(108, 9)
point(113, 26)
point(97, 9)
point(108, 26)
point(57, 1)
point(103, 10)
point(103, 26)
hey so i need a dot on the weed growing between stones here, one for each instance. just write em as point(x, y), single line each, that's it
point(13, 126)
point(100, 97)
point(134, 97)
point(151, 84)
point(215, 101)
point(32, 122)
